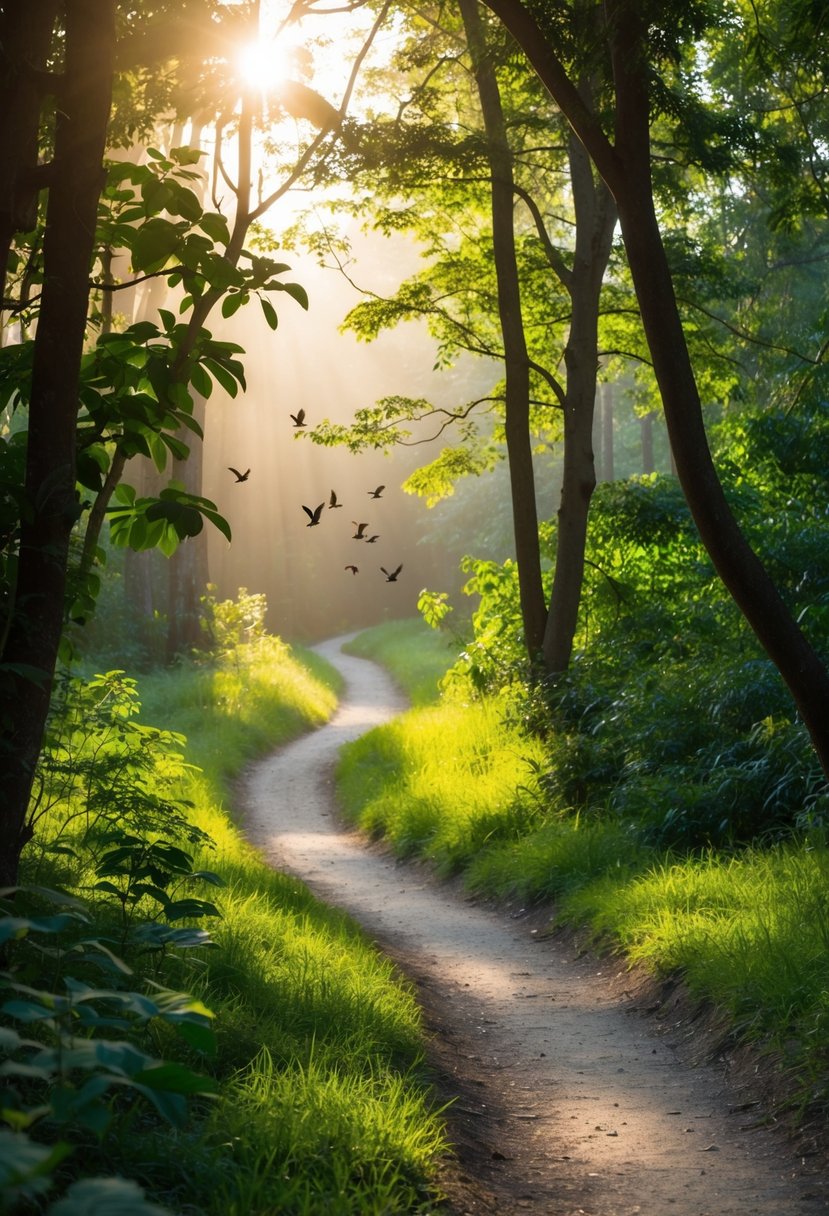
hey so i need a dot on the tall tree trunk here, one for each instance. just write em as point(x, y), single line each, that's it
point(25, 41)
point(516, 361)
point(626, 168)
point(595, 221)
point(31, 645)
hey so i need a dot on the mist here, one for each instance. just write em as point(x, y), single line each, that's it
point(307, 364)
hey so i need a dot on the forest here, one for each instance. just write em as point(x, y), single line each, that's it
point(541, 288)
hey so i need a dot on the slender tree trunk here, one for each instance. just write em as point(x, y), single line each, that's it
point(646, 434)
point(607, 418)
point(595, 221)
point(626, 169)
point(31, 645)
point(516, 361)
point(187, 567)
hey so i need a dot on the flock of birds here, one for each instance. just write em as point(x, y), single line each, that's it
point(315, 513)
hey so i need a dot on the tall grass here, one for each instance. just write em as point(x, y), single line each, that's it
point(323, 1104)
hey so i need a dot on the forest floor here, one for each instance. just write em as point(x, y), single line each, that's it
point(577, 1087)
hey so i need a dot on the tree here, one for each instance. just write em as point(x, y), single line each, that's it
point(34, 629)
point(637, 39)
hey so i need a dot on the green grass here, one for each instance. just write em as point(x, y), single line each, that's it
point(323, 1106)
point(415, 655)
point(442, 781)
point(748, 930)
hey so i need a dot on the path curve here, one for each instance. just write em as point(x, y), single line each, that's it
point(568, 1102)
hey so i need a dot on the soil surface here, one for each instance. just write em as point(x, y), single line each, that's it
point(569, 1097)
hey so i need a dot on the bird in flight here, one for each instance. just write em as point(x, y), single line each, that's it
point(371, 539)
point(239, 476)
point(299, 418)
point(332, 502)
point(314, 516)
point(378, 493)
point(391, 577)
point(353, 569)
point(361, 528)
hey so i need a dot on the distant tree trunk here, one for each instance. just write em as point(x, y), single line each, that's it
point(607, 419)
point(31, 644)
point(646, 435)
point(516, 360)
point(626, 168)
point(187, 569)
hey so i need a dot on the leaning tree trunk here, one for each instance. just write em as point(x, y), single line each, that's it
point(31, 644)
point(516, 361)
point(626, 169)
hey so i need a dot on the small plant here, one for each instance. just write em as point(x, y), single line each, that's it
point(136, 871)
point(101, 768)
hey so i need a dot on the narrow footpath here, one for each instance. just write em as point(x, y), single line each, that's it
point(569, 1101)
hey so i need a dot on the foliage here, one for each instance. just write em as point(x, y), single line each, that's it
point(102, 770)
point(74, 1055)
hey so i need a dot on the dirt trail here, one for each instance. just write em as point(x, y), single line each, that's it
point(568, 1100)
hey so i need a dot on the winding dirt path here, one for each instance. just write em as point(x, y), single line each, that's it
point(568, 1100)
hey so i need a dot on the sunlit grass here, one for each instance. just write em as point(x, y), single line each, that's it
point(415, 655)
point(323, 1106)
point(747, 931)
point(442, 781)
point(750, 932)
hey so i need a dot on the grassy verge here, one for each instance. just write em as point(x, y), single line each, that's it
point(322, 1102)
point(747, 930)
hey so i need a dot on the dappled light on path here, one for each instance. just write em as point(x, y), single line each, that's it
point(615, 1123)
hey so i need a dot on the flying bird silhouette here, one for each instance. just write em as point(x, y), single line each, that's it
point(371, 539)
point(299, 418)
point(353, 569)
point(378, 493)
point(314, 516)
point(332, 502)
point(360, 533)
point(239, 476)
point(392, 577)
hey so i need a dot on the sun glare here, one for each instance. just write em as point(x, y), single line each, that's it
point(263, 65)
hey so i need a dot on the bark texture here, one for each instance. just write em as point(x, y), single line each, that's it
point(31, 644)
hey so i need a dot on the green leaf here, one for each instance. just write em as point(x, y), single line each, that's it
point(232, 303)
point(177, 1079)
point(269, 312)
point(155, 243)
point(178, 909)
point(296, 291)
point(224, 377)
point(215, 226)
point(106, 1197)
